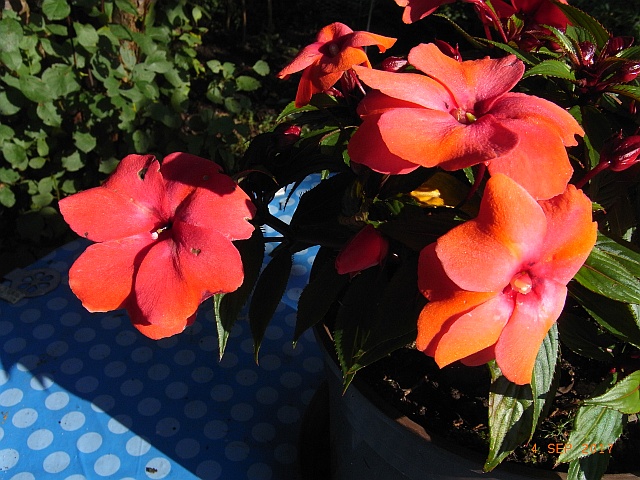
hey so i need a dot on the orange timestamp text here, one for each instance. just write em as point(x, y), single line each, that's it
point(585, 448)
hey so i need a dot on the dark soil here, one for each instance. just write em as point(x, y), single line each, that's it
point(452, 404)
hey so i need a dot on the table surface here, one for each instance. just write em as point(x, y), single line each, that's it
point(85, 396)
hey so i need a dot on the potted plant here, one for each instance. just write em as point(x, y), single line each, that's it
point(476, 210)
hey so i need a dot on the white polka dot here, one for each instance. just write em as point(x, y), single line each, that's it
point(157, 468)
point(78, 477)
point(195, 409)
point(137, 446)
point(298, 270)
point(176, 390)
point(287, 414)
point(99, 351)
point(267, 395)
point(89, 442)
point(229, 360)
point(71, 366)
point(115, 369)
point(236, 451)
point(14, 345)
point(286, 453)
point(119, 424)
point(187, 448)
point(24, 418)
point(202, 375)
point(294, 293)
point(41, 382)
point(246, 377)
point(42, 332)
point(72, 421)
point(40, 439)
point(24, 476)
point(87, 384)
point(221, 393)
point(103, 403)
point(70, 319)
point(107, 465)
point(270, 363)
point(8, 458)
point(83, 335)
point(263, 432)
point(56, 462)
point(124, 338)
point(216, 429)
point(30, 315)
point(57, 348)
point(259, 471)
point(131, 388)
point(291, 379)
point(142, 355)
point(209, 470)
point(11, 397)
point(184, 357)
point(168, 342)
point(167, 427)
point(149, 406)
point(313, 364)
point(4, 376)
point(158, 372)
point(57, 303)
point(56, 401)
point(6, 327)
point(111, 322)
point(241, 412)
point(1, 433)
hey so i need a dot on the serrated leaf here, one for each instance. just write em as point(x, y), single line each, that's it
point(630, 91)
point(228, 306)
point(624, 396)
point(622, 252)
point(269, 289)
point(579, 18)
point(588, 468)
point(593, 425)
point(583, 336)
point(551, 68)
point(56, 9)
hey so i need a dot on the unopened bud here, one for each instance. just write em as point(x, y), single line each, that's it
point(621, 153)
point(627, 72)
point(617, 44)
point(393, 64)
point(287, 135)
point(366, 249)
point(588, 53)
point(448, 50)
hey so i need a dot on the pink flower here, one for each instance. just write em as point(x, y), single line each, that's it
point(337, 48)
point(497, 283)
point(462, 114)
point(164, 238)
point(366, 249)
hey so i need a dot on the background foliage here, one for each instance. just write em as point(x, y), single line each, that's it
point(85, 82)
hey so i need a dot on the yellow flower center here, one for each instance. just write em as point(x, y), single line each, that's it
point(521, 283)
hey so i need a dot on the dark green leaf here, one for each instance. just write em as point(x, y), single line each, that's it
point(84, 141)
point(127, 7)
point(622, 252)
point(60, 80)
point(624, 396)
point(86, 34)
point(7, 197)
point(48, 113)
point(56, 9)
point(583, 336)
point(16, 155)
point(267, 294)
point(591, 467)
point(35, 89)
point(630, 91)
point(579, 18)
point(11, 34)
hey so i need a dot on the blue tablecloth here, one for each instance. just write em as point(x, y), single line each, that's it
point(85, 396)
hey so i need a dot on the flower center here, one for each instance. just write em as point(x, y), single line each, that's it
point(463, 116)
point(156, 233)
point(333, 49)
point(521, 283)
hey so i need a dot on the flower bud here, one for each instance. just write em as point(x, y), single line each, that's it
point(448, 50)
point(621, 153)
point(587, 53)
point(287, 135)
point(366, 249)
point(393, 64)
point(617, 44)
point(626, 73)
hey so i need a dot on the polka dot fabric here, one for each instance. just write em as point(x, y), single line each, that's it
point(85, 396)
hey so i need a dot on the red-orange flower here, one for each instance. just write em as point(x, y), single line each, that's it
point(535, 12)
point(462, 114)
point(366, 249)
point(415, 10)
point(497, 283)
point(337, 48)
point(164, 240)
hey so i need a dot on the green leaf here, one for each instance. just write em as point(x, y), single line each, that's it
point(37, 162)
point(630, 91)
point(86, 34)
point(593, 425)
point(228, 307)
point(16, 155)
point(60, 80)
point(127, 7)
point(8, 106)
point(244, 83)
point(605, 275)
point(268, 291)
point(624, 396)
point(591, 467)
point(9, 176)
point(73, 162)
point(585, 337)
point(49, 114)
point(11, 34)
point(84, 141)
point(551, 68)
point(578, 18)
point(7, 197)
point(261, 68)
point(56, 9)
point(35, 89)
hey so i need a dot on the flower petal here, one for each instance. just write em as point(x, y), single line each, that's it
point(157, 332)
point(102, 277)
point(305, 58)
point(533, 316)
point(507, 234)
point(365, 39)
point(417, 9)
point(471, 81)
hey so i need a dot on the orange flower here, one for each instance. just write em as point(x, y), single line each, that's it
point(164, 238)
point(460, 115)
point(337, 48)
point(415, 10)
point(497, 283)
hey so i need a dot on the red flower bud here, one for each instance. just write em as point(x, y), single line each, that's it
point(621, 153)
point(393, 64)
point(626, 73)
point(366, 249)
point(287, 135)
point(448, 50)
point(615, 45)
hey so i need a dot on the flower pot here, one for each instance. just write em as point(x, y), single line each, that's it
point(370, 440)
